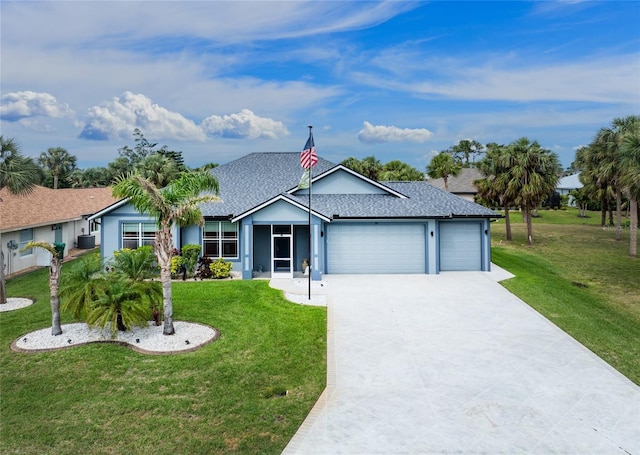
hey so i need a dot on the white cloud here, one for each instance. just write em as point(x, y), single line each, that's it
point(120, 116)
point(375, 134)
point(244, 124)
point(21, 105)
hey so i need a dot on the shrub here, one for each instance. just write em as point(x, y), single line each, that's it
point(190, 253)
point(204, 269)
point(176, 263)
point(220, 268)
point(138, 264)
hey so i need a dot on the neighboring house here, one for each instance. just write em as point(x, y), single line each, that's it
point(48, 215)
point(568, 184)
point(261, 223)
point(462, 184)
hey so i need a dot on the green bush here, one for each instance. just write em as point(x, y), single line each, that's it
point(138, 264)
point(220, 268)
point(191, 253)
point(176, 263)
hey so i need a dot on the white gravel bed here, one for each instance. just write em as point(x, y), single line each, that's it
point(188, 337)
point(14, 303)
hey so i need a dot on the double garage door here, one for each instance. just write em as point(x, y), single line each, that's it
point(400, 248)
point(376, 248)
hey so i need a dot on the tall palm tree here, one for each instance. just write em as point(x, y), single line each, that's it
point(177, 203)
point(442, 166)
point(59, 162)
point(19, 174)
point(492, 188)
point(630, 153)
point(54, 282)
point(533, 175)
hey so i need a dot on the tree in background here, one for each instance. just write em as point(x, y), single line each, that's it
point(442, 166)
point(398, 171)
point(532, 175)
point(158, 168)
point(630, 163)
point(466, 149)
point(57, 162)
point(19, 175)
point(176, 203)
point(492, 188)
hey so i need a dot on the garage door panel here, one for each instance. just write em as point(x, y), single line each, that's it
point(376, 248)
point(460, 246)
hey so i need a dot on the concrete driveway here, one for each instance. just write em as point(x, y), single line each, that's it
point(454, 363)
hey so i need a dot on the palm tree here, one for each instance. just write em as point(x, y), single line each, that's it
point(19, 175)
point(54, 282)
point(119, 303)
point(492, 189)
point(178, 203)
point(79, 286)
point(630, 153)
point(442, 166)
point(533, 173)
point(158, 169)
point(58, 161)
point(396, 170)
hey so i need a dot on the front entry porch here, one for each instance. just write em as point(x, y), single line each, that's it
point(279, 250)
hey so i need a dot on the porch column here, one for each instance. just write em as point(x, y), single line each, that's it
point(246, 247)
point(318, 250)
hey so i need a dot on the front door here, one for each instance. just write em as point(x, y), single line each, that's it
point(281, 251)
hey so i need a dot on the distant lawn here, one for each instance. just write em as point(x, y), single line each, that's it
point(578, 276)
point(106, 399)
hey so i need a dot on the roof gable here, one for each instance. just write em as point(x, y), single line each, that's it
point(342, 180)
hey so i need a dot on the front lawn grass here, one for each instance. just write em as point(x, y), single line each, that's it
point(579, 277)
point(106, 399)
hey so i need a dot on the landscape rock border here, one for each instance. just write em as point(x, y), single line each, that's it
point(189, 337)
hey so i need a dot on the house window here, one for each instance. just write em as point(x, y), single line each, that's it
point(220, 239)
point(135, 235)
point(94, 226)
point(26, 236)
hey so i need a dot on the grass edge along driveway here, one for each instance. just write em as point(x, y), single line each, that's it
point(581, 279)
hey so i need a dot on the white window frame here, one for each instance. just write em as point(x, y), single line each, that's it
point(24, 233)
point(218, 239)
point(141, 236)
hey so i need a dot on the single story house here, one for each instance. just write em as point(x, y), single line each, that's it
point(568, 184)
point(261, 224)
point(461, 184)
point(48, 215)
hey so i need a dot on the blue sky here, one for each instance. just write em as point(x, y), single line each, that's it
point(397, 80)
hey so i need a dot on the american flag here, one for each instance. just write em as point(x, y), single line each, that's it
point(309, 157)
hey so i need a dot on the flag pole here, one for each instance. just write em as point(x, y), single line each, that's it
point(310, 243)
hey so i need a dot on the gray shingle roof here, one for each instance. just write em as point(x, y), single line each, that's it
point(259, 177)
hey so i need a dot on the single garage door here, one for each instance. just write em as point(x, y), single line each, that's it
point(376, 248)
point(460, 246)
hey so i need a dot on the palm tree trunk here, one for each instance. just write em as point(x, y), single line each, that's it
point(164, 249)
point(507, 222)
point(527, 214)
point(618, 214)
point(633, 234)
point(54, 285)
point(603, 212)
